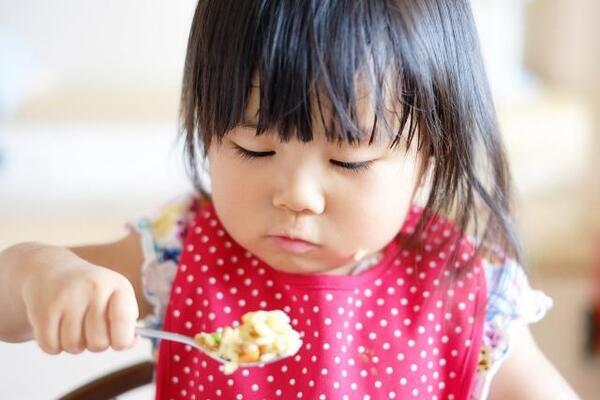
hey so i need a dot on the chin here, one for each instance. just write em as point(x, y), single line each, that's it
point(294, 268)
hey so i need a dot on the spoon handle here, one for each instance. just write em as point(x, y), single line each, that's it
point(155, 333)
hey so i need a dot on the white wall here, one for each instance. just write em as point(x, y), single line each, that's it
point(130, 42)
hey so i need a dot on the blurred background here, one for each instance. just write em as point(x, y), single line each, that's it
point(88, 121)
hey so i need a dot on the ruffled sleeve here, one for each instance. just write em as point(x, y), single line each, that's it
point(161, 237)
point(511, 301)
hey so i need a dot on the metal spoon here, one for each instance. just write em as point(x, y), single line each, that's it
point(176, 337)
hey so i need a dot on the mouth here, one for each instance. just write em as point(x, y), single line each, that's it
point(296, 246)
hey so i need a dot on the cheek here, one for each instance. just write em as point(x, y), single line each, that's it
point(235, 196)
point(225, 193)
point(383, 212)
point(230, 182)
point(377, 212)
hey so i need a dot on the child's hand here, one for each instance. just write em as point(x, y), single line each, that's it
point(73, 305)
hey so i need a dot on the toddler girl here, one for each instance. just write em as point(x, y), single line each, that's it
point(357, 182)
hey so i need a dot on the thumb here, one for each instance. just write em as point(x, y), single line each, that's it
point(122, 314)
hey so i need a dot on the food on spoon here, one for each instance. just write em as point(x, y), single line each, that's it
point(262, 336)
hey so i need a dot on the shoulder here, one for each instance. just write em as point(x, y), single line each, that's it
point(168, 223)
point(510, 295)
point(161, 237)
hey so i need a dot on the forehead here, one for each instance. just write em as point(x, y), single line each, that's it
point(376, 122)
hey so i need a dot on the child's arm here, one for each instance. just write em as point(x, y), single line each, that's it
point(72, 299)
point(527, 374)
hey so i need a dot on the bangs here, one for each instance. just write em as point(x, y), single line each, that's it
point(317, 65)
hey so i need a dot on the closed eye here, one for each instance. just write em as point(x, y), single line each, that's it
point(351, 166)
point(249, 154)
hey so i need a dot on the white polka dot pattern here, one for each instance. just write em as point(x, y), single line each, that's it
point(404, 329)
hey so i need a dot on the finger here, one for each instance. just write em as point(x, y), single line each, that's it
point(72, 338)
point(46, 331)
point(97, 335)
point(122, 315)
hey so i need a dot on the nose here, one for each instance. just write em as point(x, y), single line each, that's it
point(300, 192)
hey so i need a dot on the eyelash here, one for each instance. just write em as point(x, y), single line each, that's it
point(353, 167)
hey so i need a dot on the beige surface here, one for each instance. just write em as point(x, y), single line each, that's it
point(560, 45)
point(120, 104)
point(549, 137)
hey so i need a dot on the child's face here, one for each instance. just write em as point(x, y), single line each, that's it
point(300, 190)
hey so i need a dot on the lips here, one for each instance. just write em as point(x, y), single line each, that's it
point(296, 246)
point(294, 239)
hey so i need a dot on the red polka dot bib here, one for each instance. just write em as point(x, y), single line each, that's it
point(405, 328)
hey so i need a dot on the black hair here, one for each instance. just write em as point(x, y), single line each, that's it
point(422, 55)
